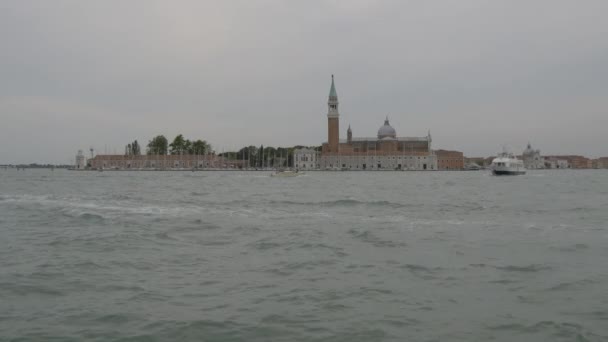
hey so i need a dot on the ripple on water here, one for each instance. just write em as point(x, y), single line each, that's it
point(570, 247)
point(209, 330)
point(572, 285)
point(316, 247)
point(422, 272)
point(165, 236)
point(532, 268)
point(194, 225)
point(23, 289)
point(368, 236)
point(322, 258)
point(290, 268)
point(85, 217)
point(565, 331)
point(265, 244)
point(345, 203)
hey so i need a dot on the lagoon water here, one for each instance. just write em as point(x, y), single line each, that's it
point(342, 256)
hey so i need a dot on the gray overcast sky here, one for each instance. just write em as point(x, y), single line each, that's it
point(478, 74)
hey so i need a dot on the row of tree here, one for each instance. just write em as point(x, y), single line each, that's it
point(257, 157)
point(133, 149)
point(159, 145)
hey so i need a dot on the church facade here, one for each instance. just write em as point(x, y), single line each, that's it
point(532, 158)
point(386, 151)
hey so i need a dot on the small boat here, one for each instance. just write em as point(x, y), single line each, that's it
point(286, 173)
point(506, 164)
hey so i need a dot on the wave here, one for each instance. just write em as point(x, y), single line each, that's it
point(164, 236)
point(337, 251)
point(503, 281)
point(570, 331)
point(344, 203)
point(514, 268)
point(198, 194)
point(468, 206)
point(91, 217)
point(117, 319)
point(572, 285)
point(265, 245)
point(288, 269)
point(571, 248)
point(28, 289)
point(527, 268)
point(209, 330)
point(120, 288)
point(421, 271)
point(369, 237)
point(97, 210)
point(87, 265)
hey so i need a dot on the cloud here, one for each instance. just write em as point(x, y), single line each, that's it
point(257, 72)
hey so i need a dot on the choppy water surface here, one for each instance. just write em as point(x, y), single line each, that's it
point(346, 256)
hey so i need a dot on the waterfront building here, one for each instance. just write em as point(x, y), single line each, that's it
point(305, 159)
point(81, 162)
point(555, 162)
point(449, 160)
point(579, 162)
point(600, 163)
point(163, 162)
point(386, 151)
point(532, 158)
point(572, 162)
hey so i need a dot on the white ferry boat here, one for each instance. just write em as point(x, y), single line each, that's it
point(507, 164)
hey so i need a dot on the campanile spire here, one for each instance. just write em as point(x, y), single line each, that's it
point(332, 103)
point(333, 119)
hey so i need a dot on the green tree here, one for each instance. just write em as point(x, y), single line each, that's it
point(135, 148)
point(178, 146)
point(260, 156)
point(269, 155)
point(248, 153)
point(187, 147)
point(199, 147)
point(283, 156)
point(158, 145)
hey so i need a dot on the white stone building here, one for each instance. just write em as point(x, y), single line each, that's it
point(532, 158)
point(305, 159)
point(81, 162)
point(555, 163)
point(371, 162)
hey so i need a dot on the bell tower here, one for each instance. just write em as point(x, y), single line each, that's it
point(349, 135)
point(333, 119)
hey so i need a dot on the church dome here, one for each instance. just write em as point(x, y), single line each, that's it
point(387, 131)
point(528, 151)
